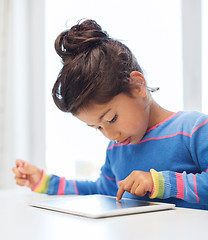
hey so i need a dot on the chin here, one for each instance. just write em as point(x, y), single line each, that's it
point(136, 141)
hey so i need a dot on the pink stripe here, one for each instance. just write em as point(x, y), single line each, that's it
point(180, 185)
point(75, 186)
point(199, 126)
point(173, 115)
point(114, 145)
point(109, 178)
point(206, 170)
point(61, 186)
point(167, 136)
point(195, 188)
point(153, 189)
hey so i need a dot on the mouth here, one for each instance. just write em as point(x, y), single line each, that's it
point(126, 141)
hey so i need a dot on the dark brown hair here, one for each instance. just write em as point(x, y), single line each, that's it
point(96, 67)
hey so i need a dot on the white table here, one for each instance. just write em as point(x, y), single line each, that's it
point(18, 221)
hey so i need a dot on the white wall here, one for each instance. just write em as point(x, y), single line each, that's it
point(192, 54)
point(22, 85)
point(5, 103)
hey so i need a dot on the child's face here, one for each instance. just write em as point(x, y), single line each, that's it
point(124, 119)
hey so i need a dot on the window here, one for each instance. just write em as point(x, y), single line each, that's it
point(204, 56)
point(152, 30)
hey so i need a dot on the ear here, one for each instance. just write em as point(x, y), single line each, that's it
point(139, 82)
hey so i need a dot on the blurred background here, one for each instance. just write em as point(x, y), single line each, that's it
point(168, 37)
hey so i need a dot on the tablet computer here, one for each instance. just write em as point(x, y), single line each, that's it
point(98, 206)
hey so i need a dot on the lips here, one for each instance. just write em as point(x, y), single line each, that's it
point(126, 141)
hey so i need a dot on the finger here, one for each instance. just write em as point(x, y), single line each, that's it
point(134, 187)
point(22, 182)
point(19, 162)
point(140, 191)
point(120, 182)
point(15, 171)
point(127, 184)
point(18, 173)
point(120, 193)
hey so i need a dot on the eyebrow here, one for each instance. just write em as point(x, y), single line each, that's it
point(101, 117)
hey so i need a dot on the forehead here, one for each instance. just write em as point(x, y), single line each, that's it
point(95, 113)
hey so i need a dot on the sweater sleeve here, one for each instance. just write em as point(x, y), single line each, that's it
point(191, 187)
point(55, 185)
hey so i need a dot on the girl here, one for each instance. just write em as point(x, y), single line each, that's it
point(153, 153)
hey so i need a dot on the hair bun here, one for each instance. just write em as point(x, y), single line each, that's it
point(79, 38)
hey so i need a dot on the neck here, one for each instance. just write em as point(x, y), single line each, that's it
point(157, 114)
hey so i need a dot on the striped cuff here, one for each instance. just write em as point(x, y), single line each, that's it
point(42, 185)
point(159, 184)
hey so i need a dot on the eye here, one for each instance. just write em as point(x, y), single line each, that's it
point(114, 119)
point(99, 128)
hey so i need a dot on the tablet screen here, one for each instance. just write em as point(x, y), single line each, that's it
point(99, 205)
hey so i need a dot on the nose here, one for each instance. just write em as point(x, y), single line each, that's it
point(112, 135)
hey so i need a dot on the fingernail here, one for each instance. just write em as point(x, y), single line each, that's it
point(23, 176)
point(27, 183)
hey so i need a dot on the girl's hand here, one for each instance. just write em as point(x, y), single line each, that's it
point(26, 174)
point(137, 183)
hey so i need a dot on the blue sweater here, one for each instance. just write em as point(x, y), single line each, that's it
point(176, 153)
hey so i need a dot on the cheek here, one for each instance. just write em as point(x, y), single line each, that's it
point(135, 120)
point(136, 124)
point(139, 128)
point(129, 125)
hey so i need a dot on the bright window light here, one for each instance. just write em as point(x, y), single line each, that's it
point(204, 56)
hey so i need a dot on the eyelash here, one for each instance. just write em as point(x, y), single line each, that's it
point(114, 119)
point(111, 121)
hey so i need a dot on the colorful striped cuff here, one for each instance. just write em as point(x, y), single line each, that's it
point(42, 185)
point(159, 184)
